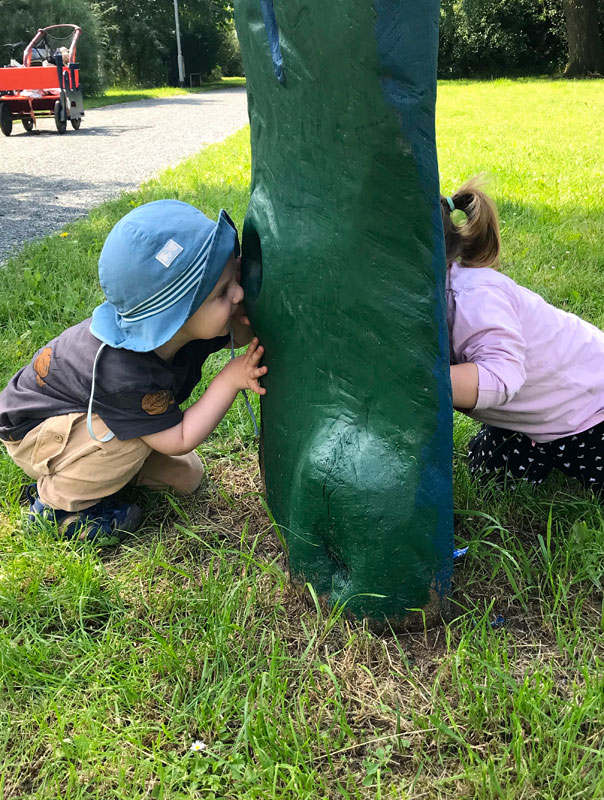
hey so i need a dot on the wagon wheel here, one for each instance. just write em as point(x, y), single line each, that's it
point(75, 123)
point(60, 123)
point(6, 119)
point(28, 124)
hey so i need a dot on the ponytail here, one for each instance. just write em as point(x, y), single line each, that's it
point(476, 242)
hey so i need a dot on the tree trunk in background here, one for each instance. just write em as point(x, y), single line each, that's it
point(585, 52)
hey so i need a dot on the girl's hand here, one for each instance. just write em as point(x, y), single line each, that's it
point(244, 370)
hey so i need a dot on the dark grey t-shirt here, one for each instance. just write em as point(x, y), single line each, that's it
point(135, 394)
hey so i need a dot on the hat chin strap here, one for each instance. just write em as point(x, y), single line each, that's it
point(109, 435)
point(248, 405)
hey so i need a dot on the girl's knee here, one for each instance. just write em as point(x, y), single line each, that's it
point(503, 457)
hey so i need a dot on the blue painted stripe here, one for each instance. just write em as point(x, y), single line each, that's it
point(272, 31)
point(407, 41)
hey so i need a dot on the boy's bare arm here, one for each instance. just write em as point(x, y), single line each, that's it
point(203, 416)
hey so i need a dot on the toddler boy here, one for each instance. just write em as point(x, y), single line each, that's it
point(98, 406)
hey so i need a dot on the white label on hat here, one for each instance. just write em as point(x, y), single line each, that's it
point(169, 252)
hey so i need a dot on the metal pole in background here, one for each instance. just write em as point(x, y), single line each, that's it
point(181, 61)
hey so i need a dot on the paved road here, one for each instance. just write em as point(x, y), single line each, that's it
point(47, 180)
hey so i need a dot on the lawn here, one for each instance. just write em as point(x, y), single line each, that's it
point(113, 663)
point(121, 94)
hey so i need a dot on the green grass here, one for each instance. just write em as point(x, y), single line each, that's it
point(112, 663)
point(119, 94)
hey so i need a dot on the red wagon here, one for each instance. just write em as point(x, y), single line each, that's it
point(47, 84)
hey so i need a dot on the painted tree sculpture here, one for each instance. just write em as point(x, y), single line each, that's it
point(344, 279)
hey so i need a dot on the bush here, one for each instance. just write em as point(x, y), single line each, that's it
point(143, 41)
point(200, 47)
point(229, 57)
point(501, 37)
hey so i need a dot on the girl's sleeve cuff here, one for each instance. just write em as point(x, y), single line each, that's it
point(490, 391)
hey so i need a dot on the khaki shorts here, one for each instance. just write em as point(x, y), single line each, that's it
point(73, 471)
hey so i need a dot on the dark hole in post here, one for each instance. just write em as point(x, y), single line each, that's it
point(251, 263)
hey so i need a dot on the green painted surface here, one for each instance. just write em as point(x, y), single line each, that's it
point(344, 278)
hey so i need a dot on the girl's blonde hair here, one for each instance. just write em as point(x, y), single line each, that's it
point(476, 242)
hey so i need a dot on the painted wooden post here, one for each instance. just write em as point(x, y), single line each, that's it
point(344, 275)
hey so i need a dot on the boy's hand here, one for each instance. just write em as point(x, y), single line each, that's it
point(244, 370)
point(200, 419)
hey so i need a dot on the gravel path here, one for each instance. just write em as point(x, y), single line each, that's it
point(47, 180)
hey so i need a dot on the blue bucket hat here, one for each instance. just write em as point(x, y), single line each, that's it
point(157, 266)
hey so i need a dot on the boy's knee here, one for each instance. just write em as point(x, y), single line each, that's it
point(188, 475)
point(181, 474)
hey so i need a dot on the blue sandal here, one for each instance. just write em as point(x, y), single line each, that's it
point(105, 523)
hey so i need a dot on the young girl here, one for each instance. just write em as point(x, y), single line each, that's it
point(531, 373)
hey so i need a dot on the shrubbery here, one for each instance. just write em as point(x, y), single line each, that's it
point(502, 37)
point(229, 57)
point(143, 43)
point(133, 43)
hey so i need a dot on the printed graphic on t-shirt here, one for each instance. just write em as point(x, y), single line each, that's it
point(157, 402)
point(42, 365)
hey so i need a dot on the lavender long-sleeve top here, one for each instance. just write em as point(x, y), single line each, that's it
point(540, 369)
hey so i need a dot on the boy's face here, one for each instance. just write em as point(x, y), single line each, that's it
point(214, 315)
